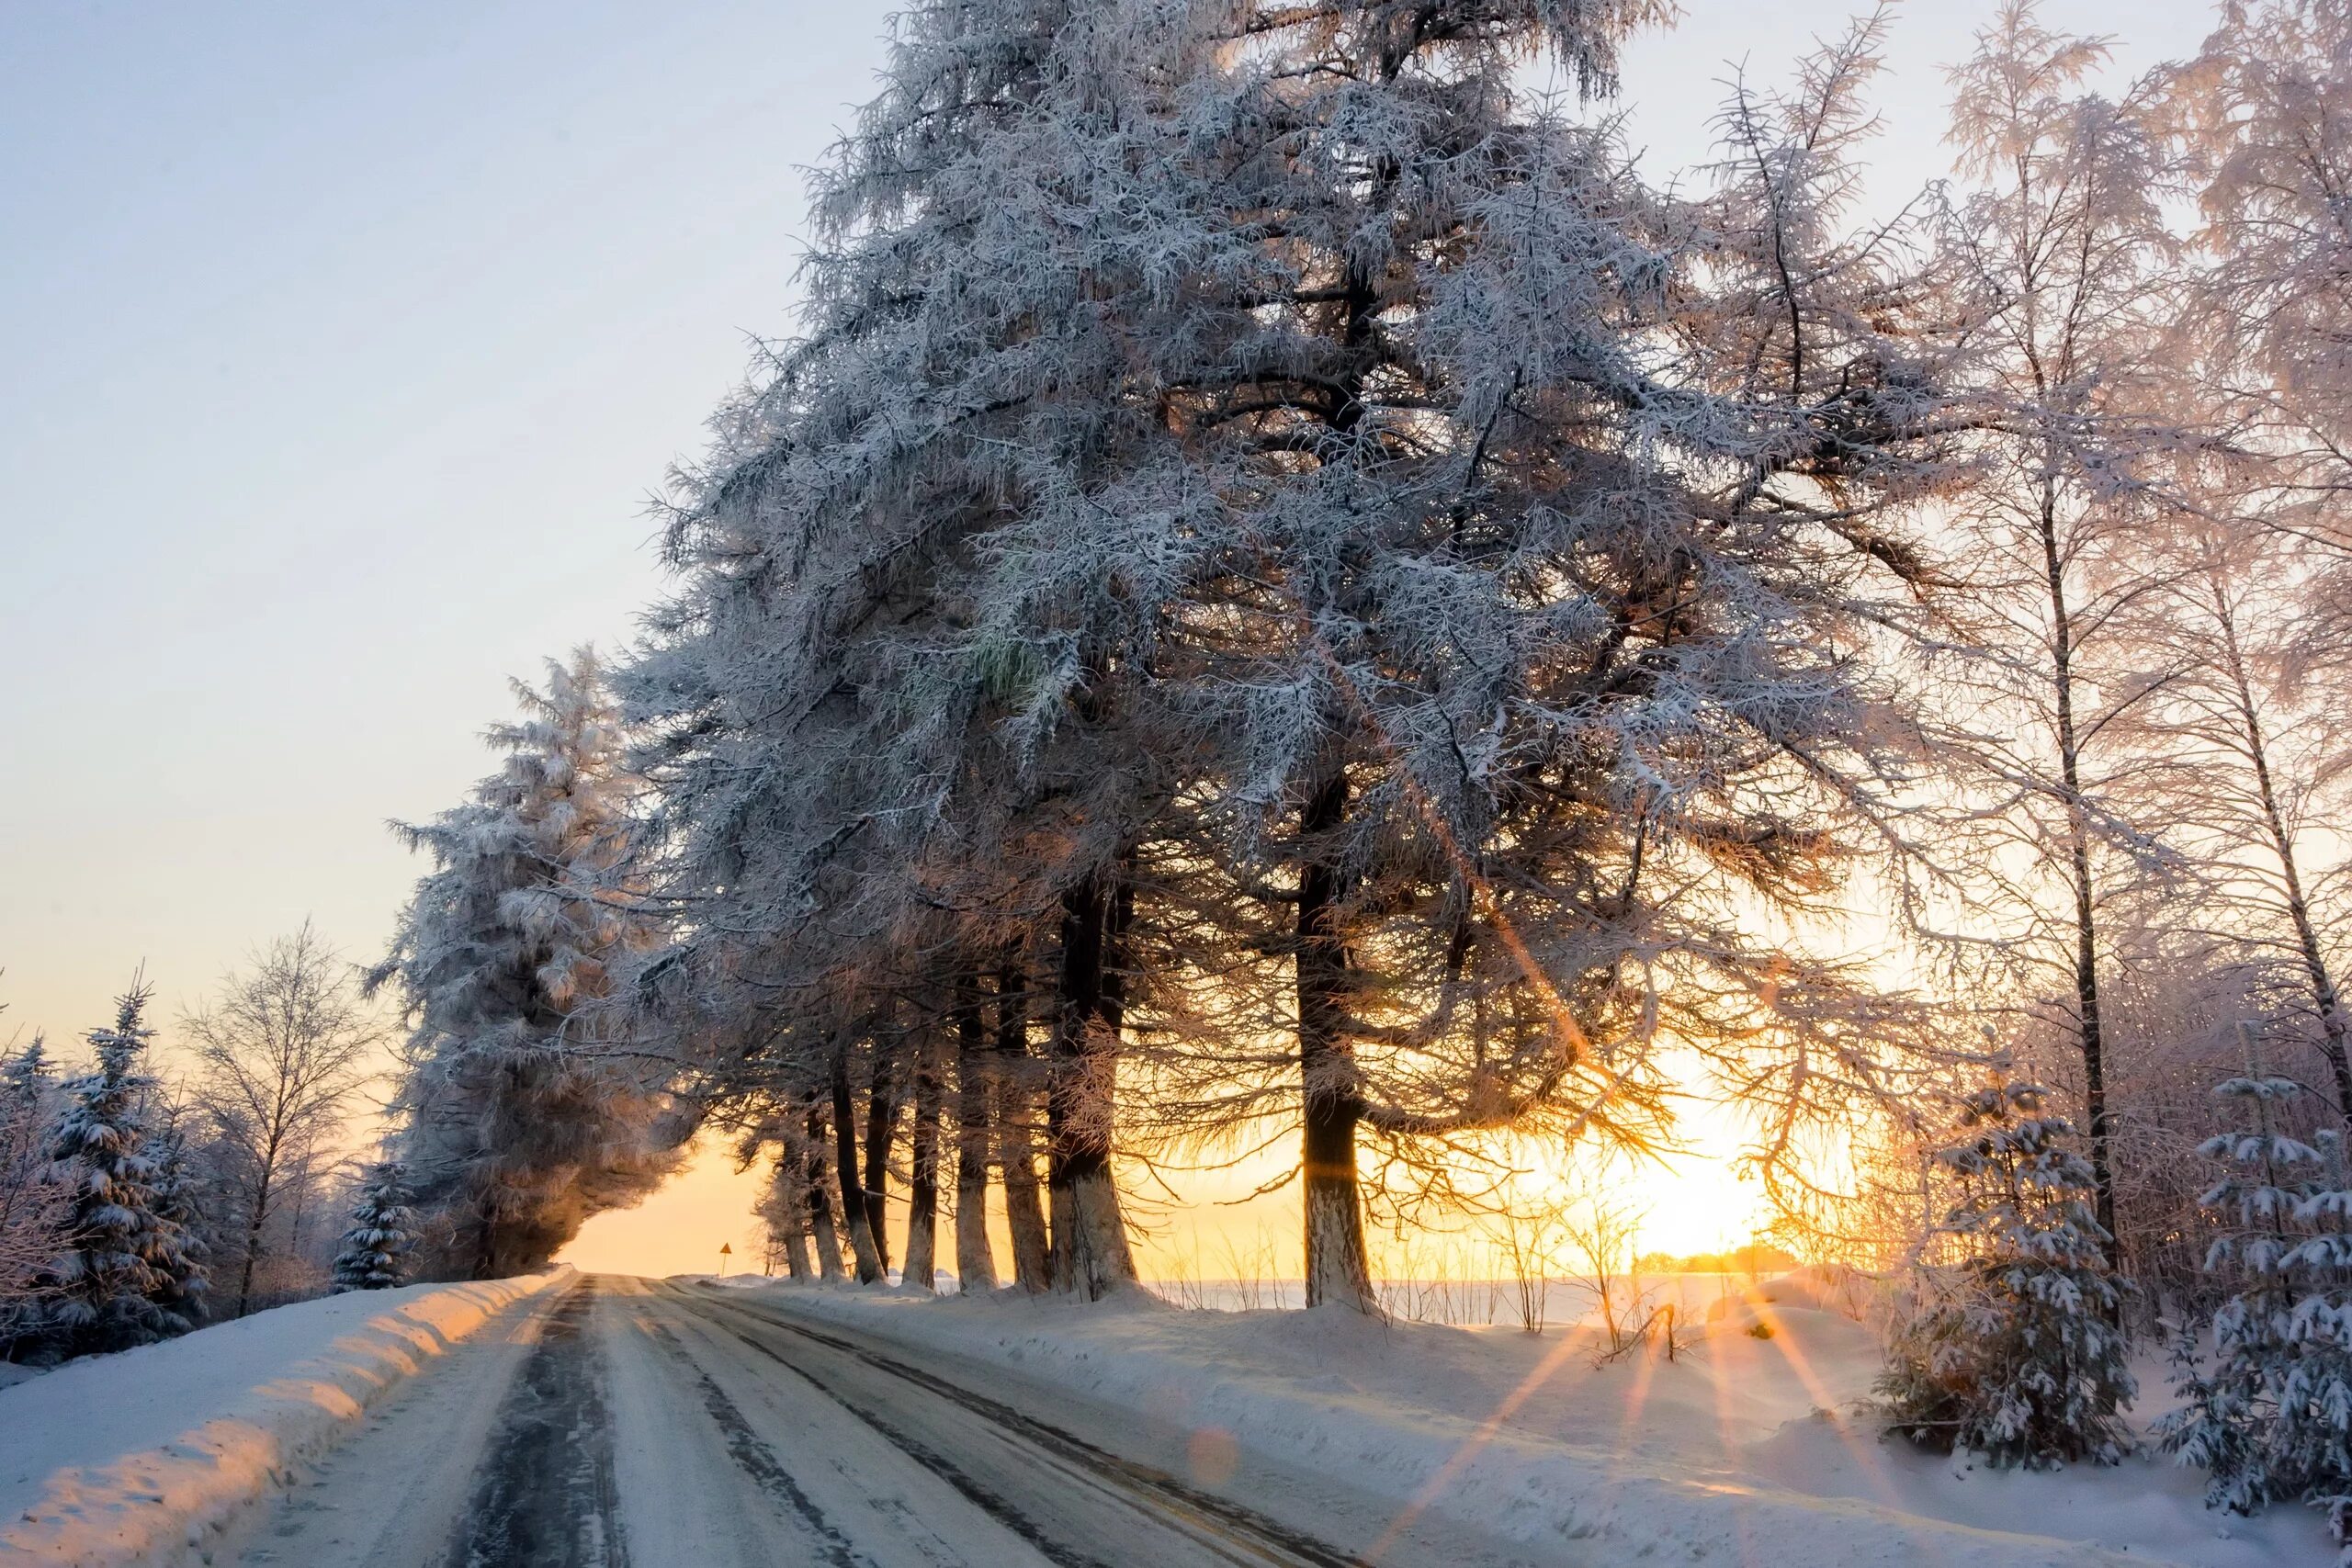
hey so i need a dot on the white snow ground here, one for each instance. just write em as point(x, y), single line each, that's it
point(138, 1456)
point(614, 1421)
point(1746, 1451)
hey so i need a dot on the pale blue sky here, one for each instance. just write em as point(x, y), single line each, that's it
point(345, 344)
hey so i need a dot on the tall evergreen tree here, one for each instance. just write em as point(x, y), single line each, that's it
point(845, 709)
point(1525, 668)
point(32, 1202)
point(1235, 442)
point(520, 1118)
point(106, 1284)
point(177, 1249)
point(2016, 1351)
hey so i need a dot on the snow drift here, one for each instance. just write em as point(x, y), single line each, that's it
point(142, 1458)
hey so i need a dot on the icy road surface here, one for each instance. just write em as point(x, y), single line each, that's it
point(632, 1422)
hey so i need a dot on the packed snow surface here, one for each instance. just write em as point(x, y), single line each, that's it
point(1747, 1449)
point(133, 1458)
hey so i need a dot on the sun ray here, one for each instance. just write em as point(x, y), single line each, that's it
point(1472, 1445)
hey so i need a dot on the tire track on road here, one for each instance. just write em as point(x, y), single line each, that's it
point(757, 1459)
point(1229, 1531)
point(547, 1497)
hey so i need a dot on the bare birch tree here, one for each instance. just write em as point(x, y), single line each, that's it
point(279, 1052)
point(2256, 745)
point(2058, 266)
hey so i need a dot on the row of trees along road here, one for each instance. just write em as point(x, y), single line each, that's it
point(1264, 538)
point(1283, 586)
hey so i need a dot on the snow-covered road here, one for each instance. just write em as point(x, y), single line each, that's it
point(623, 1421)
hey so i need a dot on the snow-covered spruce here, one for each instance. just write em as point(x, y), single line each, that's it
point(32, 1202)
point(176, 1249)
point(2014, 1350)
point(375, 1246)
point(2269, 1413)
point(102, 1290)
point(520, 1117)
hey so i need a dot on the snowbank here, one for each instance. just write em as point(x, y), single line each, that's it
point(139, 1458)
point(1744, 1450)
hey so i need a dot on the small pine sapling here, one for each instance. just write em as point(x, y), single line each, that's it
point(2015, 1354)
point(383, 1229)
point(2315, 1436)
point(2229, 1418)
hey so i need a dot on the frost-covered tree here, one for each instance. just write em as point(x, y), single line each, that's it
point(2265, 114)
point(2055, 266)
point(279, 1053)
point(105, 1282)
point(1241, 506)
point(381, 1234)
point(881, 770)
point(2269, 1413)
point(524, 1108)
point(2015, 1349)
point(177, 1249)
point(32, 1202)
point(1531, 657)
point(900, 698)
point(2248, 732)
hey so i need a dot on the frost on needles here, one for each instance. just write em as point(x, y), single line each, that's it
point(2014, 1349)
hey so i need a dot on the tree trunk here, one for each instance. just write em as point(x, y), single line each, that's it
point(821, 1200)
point(1337, 1272)
point(922, 1187)
point(791, 1210)
point(2094, 1035)
point(975, 1259)
point(881, 1131)
point(2325, 999)
point(853, 1210)
point(1024, 1211)
point(820, 1191)
point(485, 1242)
point(252, 1240)
point(2086, 1007)
point(1090, 1254)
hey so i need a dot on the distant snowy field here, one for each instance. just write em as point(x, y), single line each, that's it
point(1744, 1450)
